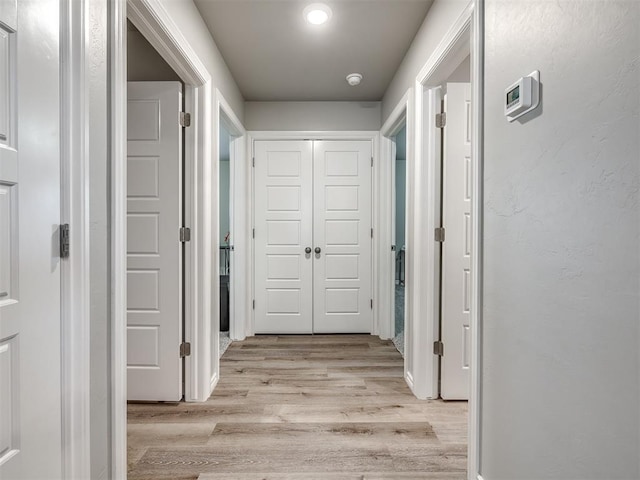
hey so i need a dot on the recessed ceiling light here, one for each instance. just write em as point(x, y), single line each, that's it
point(354, 79)
point(317, 13)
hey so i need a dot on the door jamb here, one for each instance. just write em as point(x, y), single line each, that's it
point(466, 35)
point(402, 114)
point(373, 137)
point(75, 301)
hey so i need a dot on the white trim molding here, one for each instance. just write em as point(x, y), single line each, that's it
point(76, 340)
point(477, 149)
point(118, 234)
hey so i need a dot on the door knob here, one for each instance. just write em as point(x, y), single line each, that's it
point(318, 250)
point(307, 250)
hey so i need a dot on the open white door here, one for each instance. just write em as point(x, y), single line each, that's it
point(456, 249)
point(154, 249)
point(30, 376)
point(342, 237)
point(283, 230)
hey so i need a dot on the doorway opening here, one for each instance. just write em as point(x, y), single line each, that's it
point(155, 214)
point(225, 236)
point(399, 231)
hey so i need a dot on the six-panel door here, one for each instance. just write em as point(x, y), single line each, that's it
point(283, 230)
point(154, 251)
point(312, 237)
point(342, 232)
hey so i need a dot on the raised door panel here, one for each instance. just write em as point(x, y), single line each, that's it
point(154, 259)
point(456, 250)
point(283, 229)
point(30, 343)
point(342, 231)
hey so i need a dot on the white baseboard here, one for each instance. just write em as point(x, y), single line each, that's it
point(214, 382)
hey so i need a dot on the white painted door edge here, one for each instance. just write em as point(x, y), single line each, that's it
point(75, 300)
point(465, 35)
point(373, 136)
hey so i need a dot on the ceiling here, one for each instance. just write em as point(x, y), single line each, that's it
point(275, 55)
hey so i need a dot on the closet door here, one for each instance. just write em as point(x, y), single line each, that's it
point(283, 230)
point(342, 237)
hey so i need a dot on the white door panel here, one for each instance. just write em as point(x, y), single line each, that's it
point(342, 230)
point(30, 375)
point(313, 194)
point(154, 258)
point(456, 250)
point(283, 229)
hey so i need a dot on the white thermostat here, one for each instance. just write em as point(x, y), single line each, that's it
point(523, 96)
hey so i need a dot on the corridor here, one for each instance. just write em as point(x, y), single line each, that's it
point(302, 407)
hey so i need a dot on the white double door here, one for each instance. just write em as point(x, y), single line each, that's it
point(313, 237)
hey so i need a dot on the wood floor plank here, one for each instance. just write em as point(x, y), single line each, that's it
point(325, 407)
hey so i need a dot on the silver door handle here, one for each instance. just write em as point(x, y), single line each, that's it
point(307, 250)
point(318, 250)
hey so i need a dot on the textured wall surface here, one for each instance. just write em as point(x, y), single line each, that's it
point(561, 269)
point(315, 116)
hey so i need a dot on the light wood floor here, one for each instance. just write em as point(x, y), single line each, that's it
point(306, 408)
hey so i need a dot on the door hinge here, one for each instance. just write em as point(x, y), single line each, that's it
point(253, 304)
point(64, 241)
point(372, 304)
point(253, 233)
point(185, 119)
point(253, 162)
point(438, 348)
point(185, 349)
point(185, 234)
point(441, 120)
point(372, 233)
point(439, 234)
point(372, 161)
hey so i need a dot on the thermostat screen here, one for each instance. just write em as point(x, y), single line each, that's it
point(513, 96)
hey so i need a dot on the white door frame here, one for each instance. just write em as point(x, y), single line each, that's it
point(75, 302)
point(238, 188)
point(402, 114)
point(154, 22)
point(464, 37)
point(379, 321)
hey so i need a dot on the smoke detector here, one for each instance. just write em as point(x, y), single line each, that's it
point(354, 79)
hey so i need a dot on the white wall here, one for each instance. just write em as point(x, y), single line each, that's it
point(187, 17)
point(561, 320)
point(441, 16)
point(144, 63)
point(462, 73)
point(312, 116)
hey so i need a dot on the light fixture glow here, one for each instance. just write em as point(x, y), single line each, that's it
point(317, 13)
